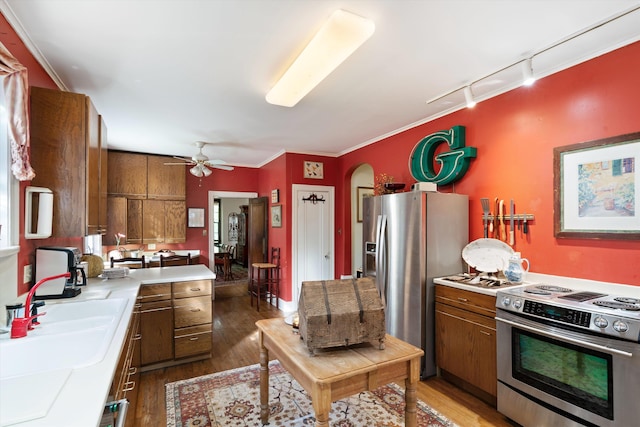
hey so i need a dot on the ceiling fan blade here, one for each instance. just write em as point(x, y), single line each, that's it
point(184, 159)
point(223, 167)
point(177, 164)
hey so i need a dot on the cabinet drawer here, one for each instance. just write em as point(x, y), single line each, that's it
point(192, 311)
point(154, 292)
point(193, 340)
point(467, 300)
point(192, 288)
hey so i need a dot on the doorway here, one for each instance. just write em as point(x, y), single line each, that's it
point(312, 242)
point(213, 195)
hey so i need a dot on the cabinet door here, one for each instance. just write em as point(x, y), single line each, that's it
point(466, 346)
point(58, 155)
point(167, 182)
point(134, 221)
point(117, 221)
point(103, 218)
point(92, 122)
point(152, 221)
point(175, 225)
point(156, 328)
point(127, 174)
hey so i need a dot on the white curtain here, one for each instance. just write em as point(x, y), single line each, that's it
point(16, 95)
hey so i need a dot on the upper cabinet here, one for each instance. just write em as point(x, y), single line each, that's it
point(166, 182)
point(127, 175)
point(142, 176)
point(148, 199)
point(66, 156)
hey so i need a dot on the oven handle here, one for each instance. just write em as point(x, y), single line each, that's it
point(564, 338)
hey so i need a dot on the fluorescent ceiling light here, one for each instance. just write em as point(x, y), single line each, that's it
point(338, 38)
point(468, 96)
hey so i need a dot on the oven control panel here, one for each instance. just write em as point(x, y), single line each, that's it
point(616, 326)
point(561, 314)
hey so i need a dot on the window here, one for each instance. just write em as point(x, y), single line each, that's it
point(8, 184)
point(216, 221)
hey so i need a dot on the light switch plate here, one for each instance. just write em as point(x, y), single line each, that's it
point(152, 246)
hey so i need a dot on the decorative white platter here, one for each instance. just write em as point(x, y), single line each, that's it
point(487, 255)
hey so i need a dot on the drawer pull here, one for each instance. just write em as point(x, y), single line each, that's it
point(138, 337)
point(128, 386)
point(195, 289)
point(194, 339)
point(485, 333)
point(463, 299)
point(195, 310)
point(133, 370)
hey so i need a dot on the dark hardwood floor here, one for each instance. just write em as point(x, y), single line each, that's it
point(236, 344)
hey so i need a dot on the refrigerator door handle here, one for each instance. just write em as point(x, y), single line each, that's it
point(381, 257)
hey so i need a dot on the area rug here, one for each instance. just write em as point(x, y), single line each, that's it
point(232, 398)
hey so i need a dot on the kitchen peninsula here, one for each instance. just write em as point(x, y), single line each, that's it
point(75, 396)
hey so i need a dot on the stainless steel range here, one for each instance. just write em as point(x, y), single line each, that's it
point(568, 357)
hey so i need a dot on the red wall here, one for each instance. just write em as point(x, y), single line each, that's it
point(515, 134)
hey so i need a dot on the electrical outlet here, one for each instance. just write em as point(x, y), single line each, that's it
point(27, 274)
point(152, 246)
point(204, 232)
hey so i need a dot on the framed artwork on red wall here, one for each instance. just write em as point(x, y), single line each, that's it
point(596, 188)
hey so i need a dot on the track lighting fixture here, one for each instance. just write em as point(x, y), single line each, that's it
point(468, 96)
point(527, 72)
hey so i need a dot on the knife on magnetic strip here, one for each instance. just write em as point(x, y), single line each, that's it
point(512, 235)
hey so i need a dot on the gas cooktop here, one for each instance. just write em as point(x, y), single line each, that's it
point(608, 314)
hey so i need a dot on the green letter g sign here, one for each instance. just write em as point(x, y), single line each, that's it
point(453, 163)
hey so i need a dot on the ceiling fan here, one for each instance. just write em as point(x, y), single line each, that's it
point(201, 163)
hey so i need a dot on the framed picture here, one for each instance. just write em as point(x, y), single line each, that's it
point(275, 196)
point(362, 192)
point(276, 216)
point(196, 217)
point(313, 170)
point(596, 189)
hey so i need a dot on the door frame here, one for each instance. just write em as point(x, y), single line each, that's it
point(295, 188)
point(212, 194)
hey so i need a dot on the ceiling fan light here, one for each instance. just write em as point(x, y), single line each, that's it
point(205, 170)
point(196, 171)
point(337, 39)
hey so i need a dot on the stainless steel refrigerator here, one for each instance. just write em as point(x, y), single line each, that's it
point(409, 239)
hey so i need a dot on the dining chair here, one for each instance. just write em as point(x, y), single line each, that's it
point(174, 260)
point(132, 262)
point(265, 279)
point(223, 265)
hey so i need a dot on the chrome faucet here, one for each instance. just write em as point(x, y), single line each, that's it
point(20, 325)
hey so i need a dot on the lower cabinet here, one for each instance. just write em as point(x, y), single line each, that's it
point(466, 340)
point(175, 323)
point(125, 384)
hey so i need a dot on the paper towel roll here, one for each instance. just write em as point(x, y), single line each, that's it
point(45, 214)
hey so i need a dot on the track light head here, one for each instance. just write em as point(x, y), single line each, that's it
point(468, 96)
point(527, 72)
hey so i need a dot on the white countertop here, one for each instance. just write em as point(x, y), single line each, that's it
point(80, 402)
point(532, 278)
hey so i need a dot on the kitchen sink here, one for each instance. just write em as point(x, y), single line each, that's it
point(71, 336)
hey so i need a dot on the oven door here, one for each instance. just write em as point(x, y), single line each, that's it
point(549, 375)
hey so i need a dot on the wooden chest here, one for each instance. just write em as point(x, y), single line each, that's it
point(336, 313)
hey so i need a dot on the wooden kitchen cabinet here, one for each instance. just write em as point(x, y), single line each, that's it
point(192, 318)
point(175, 323)
point(165, 182)
point(466, 340)
point(156, 323)
point(66, 155)
point(127, 175)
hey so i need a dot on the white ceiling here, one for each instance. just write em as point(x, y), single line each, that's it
point(167, 73)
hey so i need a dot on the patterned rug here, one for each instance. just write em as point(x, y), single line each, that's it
point(232, 398)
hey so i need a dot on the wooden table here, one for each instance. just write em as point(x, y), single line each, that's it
point(334, 374)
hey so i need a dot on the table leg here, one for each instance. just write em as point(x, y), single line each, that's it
point(410, 394)
point(321, 401)
point(264, 382)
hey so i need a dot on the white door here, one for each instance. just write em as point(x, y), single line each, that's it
point(313, 257)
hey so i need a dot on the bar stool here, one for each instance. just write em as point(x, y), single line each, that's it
point(270, 283)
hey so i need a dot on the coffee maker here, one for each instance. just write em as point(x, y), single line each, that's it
point(54, 260)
